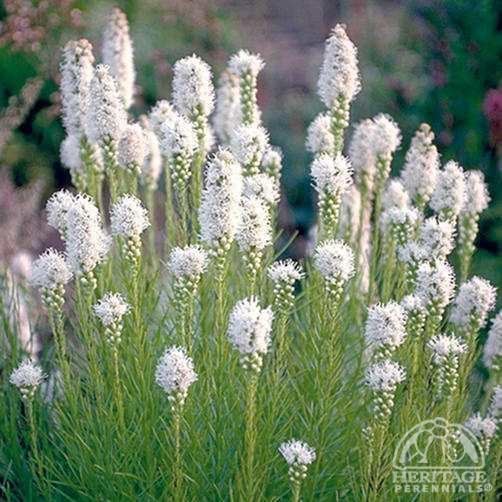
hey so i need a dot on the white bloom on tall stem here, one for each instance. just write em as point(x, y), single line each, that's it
point(152, 164)
point(349, 214)
point(86, 242)
point(492, 353)
point(219, 212)
point(118, 54)
point(128, 220)
point(299, 455)
point(162, 112)
point(271, 164)
point(50, 273)
point(57, 208)
point(421, 167)
point(415, 314)
point(262, 186)
point(385, 329)
point(227, 112)
point(475, 299)
point(484, 429)
point(284, 274)
point(449, 194)
point(27, 377)
point(476, 201)
point(106, 117)
point(332, 178)
point(254, 233)
point(110, 310)
point(320, 138)
point(76, 74)
point(247, 66)
point(399, 224)
point(175, 373)
point(335, 262)
point(132, 149)
point(249, 331)
point(435, 284)
point(437, 237)
point(395, 195)
point(382, 378)
point(445, 358)
point(362, 158)
point(248, 144)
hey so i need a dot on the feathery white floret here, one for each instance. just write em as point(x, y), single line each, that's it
point(69, 153)
point(131, 151)
point(449, 195)
point(477, 196)
point(227, 112)
point(57, 208)
point(76, 75)
point(27, 375)
point(384, 376)
point(437, 238)
point(483, 428)
point(386, 325)
point(421, 167)
point(244, 63)
point(412, 253)
point(177, 136)
point(250, 327)
point(333, 176)
point(111, 308)
point(395, 195)
point(128, 217)
point(106, 117)
point(474, 300)
point(320, 138)
point(271, 162)
point(334, 260)
point(361, 153)
point(399, 216)
point(248, 143)
point(255, 226)
point(118, 54)
point(435, 284)
point(339, 76)
point(285, 271)
point(262, 186)
point(50, 270)
point(493, 345)
point(412, 303)
point(86, 242)
point(219, 212)
point(297, 452)
point(190, 261)
point(444, 346)
point(386, 136)
point(193, 91)
point(160, 113)
point(175, 371)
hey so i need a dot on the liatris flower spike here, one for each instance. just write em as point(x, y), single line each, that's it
point(152, 165)
point(271, 164)
point(483, 428)
point(421, 167)
point(227, 112)
point(335, 262)
point(475, 299)
point(284, 274)
point(110, 310)
point(249, 331)
point(339, 82)
point(395, 195)
point(385, 329)
point(249, 144)
point(299, 455)
point(445, 358)
point(27, 377)
point(132, 149)
point(495, 409)
point(320, 138)
point(57, 208)
point(118, 55)
point(175, 374)
point(476, 201)
point(449, 195)
point(332, 178)
point(492, 355)
point(129, 219)
point(50, 273)
point(385, 139)
point(262, 186)
point(362, 158)
point(415, 315)
point(247, 66)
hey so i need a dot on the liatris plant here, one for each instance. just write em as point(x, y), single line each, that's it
point(299, 456)
point(374, 334)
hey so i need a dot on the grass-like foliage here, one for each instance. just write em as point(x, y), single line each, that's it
point(185, 362)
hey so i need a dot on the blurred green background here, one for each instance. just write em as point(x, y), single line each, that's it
point(421, 61)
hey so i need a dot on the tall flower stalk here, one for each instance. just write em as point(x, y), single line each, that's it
point(299, 456)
